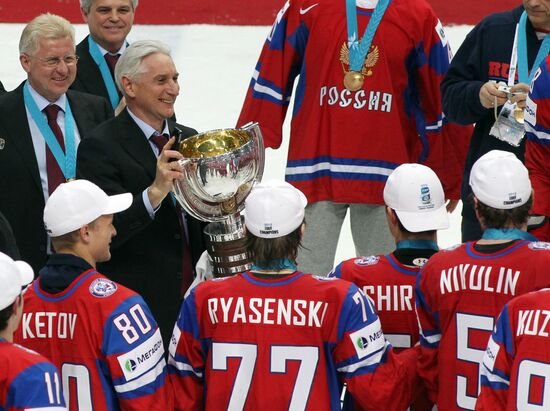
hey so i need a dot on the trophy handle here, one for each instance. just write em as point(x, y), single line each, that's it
point(254, 129)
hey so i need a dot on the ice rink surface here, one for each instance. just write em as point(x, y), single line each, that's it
point(215, 65)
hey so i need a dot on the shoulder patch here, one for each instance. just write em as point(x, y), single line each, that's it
point(102, 287)
point(323, 278)
point(370, 260)
point(539, 245)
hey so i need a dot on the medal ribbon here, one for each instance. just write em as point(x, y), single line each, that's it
point(67, 160)
point(507, 234)
point(525, 76)
point(417, 244)
point(358, 50)
point(105, 72)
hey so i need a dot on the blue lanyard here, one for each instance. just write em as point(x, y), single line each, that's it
point(524, 75)
point(105, 72)
point(358, 50)
point(506, 234)
point(67, 160)
point(282, 264)
point(418, 244)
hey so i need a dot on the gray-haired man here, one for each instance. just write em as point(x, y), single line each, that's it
point(132, 153)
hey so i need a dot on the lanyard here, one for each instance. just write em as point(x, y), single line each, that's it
point(506, 234)
point(525, 76)
point(418, 244)
point(358, 50)
point(66, 161)
point(105, 72)
point(282, 264)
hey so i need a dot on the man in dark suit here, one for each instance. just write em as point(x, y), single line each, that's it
point(109, 22)
point(38, 120)
point(2, 89)
point(132, 153)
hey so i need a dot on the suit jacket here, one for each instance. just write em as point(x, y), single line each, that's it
point(88, 77)
point(7, 240)
point(146, 254)
point(2, 89)
point(21, 196)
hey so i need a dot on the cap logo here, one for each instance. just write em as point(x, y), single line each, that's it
point(425, 198)
point(512, 199)
point(268, 229)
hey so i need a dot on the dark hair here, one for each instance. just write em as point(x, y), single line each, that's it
point(263, 251)
point(495, 218)
point(6, 314)
point(410, 234)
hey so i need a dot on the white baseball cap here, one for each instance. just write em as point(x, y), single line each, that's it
point(274, 209)
point(415, 193)
point(77, 203)
point(500, 180)
point(14, 277)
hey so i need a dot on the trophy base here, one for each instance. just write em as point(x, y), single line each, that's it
point(226, 244)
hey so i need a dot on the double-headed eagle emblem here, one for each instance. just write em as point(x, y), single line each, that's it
point(370, 61)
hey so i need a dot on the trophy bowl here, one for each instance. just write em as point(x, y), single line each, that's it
point(220, 169)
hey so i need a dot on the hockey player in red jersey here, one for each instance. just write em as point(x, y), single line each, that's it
point(101, 335)
point(27, 380)
point(516, 369)
point(276, 338)
point(461, 290)
point(415, 209)
point(347, 137)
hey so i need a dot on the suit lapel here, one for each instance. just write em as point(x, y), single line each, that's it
point(135, 143)
point(20, 134)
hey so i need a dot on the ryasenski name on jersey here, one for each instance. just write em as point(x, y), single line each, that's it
point(479, 277)
point(274, 311)
point(370, 100)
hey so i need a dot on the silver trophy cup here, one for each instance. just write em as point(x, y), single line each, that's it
point(220, 169)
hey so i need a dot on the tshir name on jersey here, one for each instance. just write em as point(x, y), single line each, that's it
point(48, 325)
point(267, 311)
point(480, 278)
point(391, 297)
point(533, 322)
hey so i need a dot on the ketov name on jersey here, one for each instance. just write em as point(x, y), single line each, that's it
point(274, 311)
point(48, 325)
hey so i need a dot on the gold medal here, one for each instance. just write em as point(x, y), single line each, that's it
point(353, 80)
point(518, 115)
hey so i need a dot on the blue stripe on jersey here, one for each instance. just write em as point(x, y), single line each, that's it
point(338, 167)
point(188, 320)
point(64, 295)
point(347, 307)
point(28, 389)
point(106, 385)
point(298, 39)
point(332, 379)
point(503, 334)
point(438, 58)
point(148, 388)
point(397, 267)
point(300, 89)
point(494, 385)
point(367, 369)
point(114, 341)
point(538, 133)
point(470, 251)
point(278, 38)
point(336, 272)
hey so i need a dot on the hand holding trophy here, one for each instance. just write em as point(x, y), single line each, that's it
point(220, 169)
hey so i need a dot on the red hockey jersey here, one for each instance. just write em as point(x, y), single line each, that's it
point(105, 342)
point(343, 144)
point(248, 343)
point(516, 366)
point(459, 295)
point(390, 284)
point(28, 381)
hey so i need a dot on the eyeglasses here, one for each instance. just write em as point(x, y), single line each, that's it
point(52, 62)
